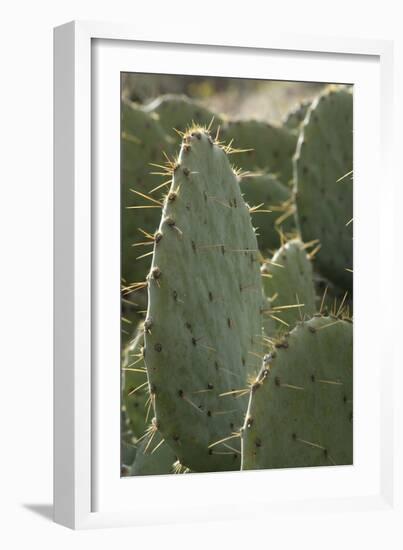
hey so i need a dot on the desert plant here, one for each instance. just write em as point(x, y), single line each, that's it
point(244, 356)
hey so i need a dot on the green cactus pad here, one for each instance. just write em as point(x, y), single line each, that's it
point(300, 408)
point(325, 201)
point(143, 141)
point(178, 112)
point(204, 314)
point(134, 385)
point(268, 148)
point(288, 281)
point(268, 193)
point(153, 457)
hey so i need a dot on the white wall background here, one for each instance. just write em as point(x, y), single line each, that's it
point(26, 261)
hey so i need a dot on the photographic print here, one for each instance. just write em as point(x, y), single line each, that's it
point(236, 274)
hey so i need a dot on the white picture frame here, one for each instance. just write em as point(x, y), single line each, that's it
point(88, 490)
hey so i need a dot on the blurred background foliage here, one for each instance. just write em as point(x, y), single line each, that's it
point(235, 98)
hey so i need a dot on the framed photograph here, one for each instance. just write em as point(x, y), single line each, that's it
point(218, 241)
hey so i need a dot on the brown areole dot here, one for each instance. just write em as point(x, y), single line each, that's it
point(281, 345)
point(249, 422)
point(155, 273)
point(255, 386)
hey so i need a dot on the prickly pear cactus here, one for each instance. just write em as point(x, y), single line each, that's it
point(134, 385)
point(324, 190)
point(203, 326)
point(177, 112)
point(153, 457)
point(266, 147)
point(288, 283)
point(300, 408)
point(143, 142)
point(273, 211)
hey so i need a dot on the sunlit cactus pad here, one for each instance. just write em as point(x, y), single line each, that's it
point(300, 410)
point(265, 147)
point(273, 208)
point(203, 322)
point(323, 177)
point(178, 113)
point(288, 284)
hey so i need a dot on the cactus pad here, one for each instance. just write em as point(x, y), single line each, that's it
point(288, 281)
point(153, 457)
point(134, 385)
point(300, 408)
point(143, 141)
point(324, 155)
point(176, 112)
point(268, 148)
point(203, 325)
point(266, 192)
